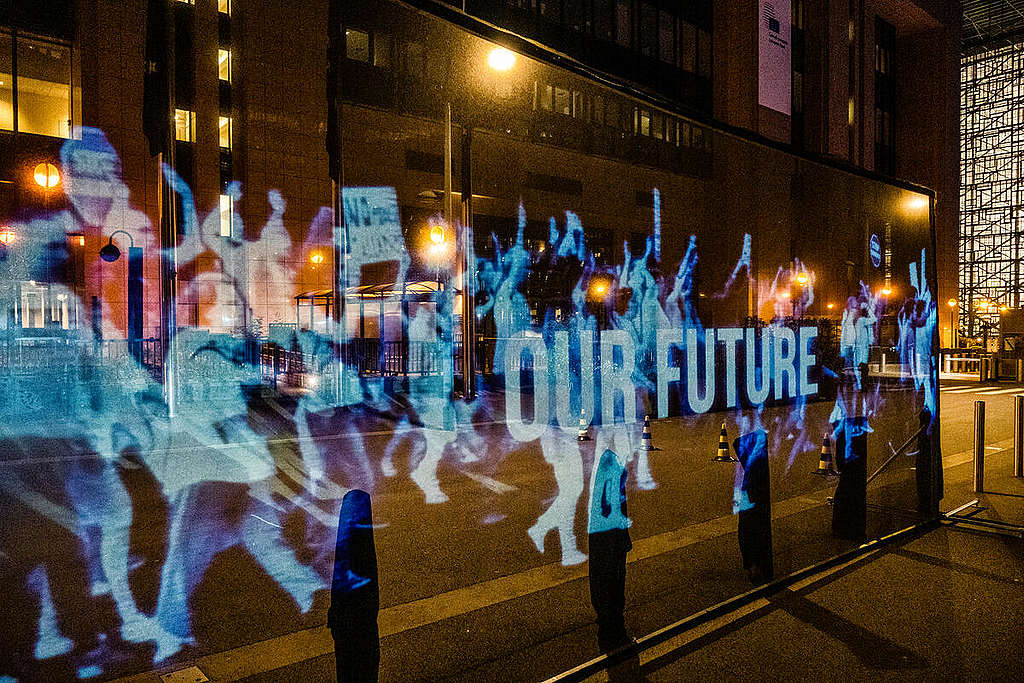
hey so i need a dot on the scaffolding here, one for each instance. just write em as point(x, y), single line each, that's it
point(991, 187)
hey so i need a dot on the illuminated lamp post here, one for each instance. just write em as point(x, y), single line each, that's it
point(953, 341)
point(111, 253)
point(500, 60)
point(7, 238)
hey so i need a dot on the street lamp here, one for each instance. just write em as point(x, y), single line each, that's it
point(111, 253)
point(500, 60)
point(46, 175)
point(952, 323)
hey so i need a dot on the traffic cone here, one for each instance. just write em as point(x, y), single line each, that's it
point(723, 447)
point(646, 444)
point(825, 466)
point(582, 433)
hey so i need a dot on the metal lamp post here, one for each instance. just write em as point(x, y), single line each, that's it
point(111, 253)
point(499, 59)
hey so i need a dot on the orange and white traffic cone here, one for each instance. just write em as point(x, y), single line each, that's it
point(646, 443)
point(582, 434)
point(826, 460)
point(723, 447)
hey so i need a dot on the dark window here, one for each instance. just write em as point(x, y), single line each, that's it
point(885, 96)
point(424, 161)
point(688, 47)
point(382, 50)
point(704, 53)
point(648, 30)
point(666, 37)
point(554, 183)
point(604, 19)
point(414, 60)
point(623, 23)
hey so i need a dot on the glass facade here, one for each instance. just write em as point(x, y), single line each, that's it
point(586, 300)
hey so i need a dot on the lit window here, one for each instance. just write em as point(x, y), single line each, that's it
point(44, 88)
point(357, 45)
point(225, 215)
point(187, 2)
point(184, 125)
point(224, 64)
point(545, 97)
point(563, 103)
point(224, 7)
point(225, 132)
point(849, 107)
point(6, 84)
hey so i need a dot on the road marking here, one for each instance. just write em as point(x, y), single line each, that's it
point(993, 448)
point(968, 390)
point(955, 386)
point(263, 520)
point(993, 392)
point(488, 483)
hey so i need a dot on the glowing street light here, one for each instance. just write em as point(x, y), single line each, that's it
point(316, 258)
point(951, 303)
point(886, 291)
point(801, 278)
point(46, 175)
point(830, 306)
point(7, 236)
point(437, 234)
point(501, 59)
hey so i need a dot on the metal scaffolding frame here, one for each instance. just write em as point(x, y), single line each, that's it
point(991, 187)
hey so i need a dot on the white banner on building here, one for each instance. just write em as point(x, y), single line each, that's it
point(376, 247)
point(775, 73)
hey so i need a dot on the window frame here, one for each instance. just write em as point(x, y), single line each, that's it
point(16, 35)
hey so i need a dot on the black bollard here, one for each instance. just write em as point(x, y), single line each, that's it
point(355, 594)
point(608, 534)
point(849, 507)
point(753, 503)
point(926, 469)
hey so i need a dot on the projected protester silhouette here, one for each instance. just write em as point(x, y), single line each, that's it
point(355, 594)
point(642, 319)
point(558, 441)
point(88, 400)
point(511, 312)
point(209, 489)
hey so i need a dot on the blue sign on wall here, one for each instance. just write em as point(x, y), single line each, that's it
point(875, 250)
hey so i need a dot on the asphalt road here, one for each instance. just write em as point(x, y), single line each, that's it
point(458, 562)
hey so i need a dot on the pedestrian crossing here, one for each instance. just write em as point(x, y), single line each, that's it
point(981, 389)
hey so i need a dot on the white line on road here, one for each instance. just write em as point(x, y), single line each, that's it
point(993, 392)
point(488, 483)
point(263, 520)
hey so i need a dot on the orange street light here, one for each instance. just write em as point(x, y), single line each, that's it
point(951, 303)
point(886, 291)
point(830, 306)
point(801, 278)
point(7, 236)
point(46, 175)
point(316, 258)
point(437, 234)
point(501, 59)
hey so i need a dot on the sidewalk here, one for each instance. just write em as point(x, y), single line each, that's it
point(944, 606)
point(858, 621)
